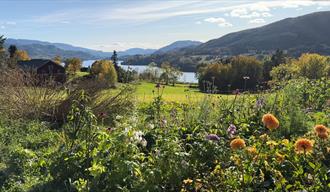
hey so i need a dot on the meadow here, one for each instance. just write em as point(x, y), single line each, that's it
point(135, 138)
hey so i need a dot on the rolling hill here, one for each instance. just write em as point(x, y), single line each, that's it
point(308, 33)
point(177, 45)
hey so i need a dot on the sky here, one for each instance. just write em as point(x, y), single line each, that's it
point(121, 24)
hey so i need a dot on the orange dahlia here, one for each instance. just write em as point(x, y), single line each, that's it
point(320, 129)
point(303, 145)
point(270, 121)
point(324, 135)
point(237, 144)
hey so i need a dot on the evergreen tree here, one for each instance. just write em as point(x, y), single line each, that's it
point(12, 51)
point(2, 52)
point(114, 58)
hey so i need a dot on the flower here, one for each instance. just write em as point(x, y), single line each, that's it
point(102, 115)
point(237, 144)
point(271, 144)
point(320, 129)
point(212, 137)
point(280, 158)
point(231, 130)
point(187, 181)
point(303, 145)
point(285, 142)
point(251, 150)
point(264, 137)
point(324, 135)
point(260, 103)
point(270, 121)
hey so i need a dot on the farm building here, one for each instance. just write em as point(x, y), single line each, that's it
point(44, 68)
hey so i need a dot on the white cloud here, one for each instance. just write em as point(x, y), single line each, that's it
point(10, 23)
point(2, 27)
point(219, 21)
point(198, 22)
point(257, 21)
point(142, 12)
point(246, 13)
point(266, 14)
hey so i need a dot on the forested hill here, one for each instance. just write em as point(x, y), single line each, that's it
point(308, 33)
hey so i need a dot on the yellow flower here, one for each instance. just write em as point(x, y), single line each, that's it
point(188, 181)
point(279, 157)
point(237, 144)
point(285, 142)
point(270, 121)
point(264, 137)
point(328, 149)
point(303, 145)
point(251, 150)
point(198, 184)
point(236, 159)
point(271, 144)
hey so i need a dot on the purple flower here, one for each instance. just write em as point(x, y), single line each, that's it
point(212, 137)
point(102, 115)
point(260, 103)
point(231, 130)
point(236, 92)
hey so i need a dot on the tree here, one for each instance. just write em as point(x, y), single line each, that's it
point(57, 59)
point(239, 72)
point(169, 73)
point(312, 66)
point(12, 51)
point(21, 55)
point(2, 52)
point(279, 57)
point(114, 58)
point(72, 65)
point(104, 71)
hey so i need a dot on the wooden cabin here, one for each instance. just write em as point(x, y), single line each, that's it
point(44, 68)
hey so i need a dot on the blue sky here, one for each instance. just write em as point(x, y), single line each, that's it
point(122, 24)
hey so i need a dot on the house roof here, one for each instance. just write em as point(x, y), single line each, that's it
point(33, 64)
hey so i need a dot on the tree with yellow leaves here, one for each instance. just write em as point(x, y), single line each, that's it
point(105, 72)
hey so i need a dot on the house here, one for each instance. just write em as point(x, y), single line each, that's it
point(44, 69)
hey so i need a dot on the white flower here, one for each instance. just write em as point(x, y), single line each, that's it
point(118, 117)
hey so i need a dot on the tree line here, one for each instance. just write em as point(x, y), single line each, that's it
point(249, 73)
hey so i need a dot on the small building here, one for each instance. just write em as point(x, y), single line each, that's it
point(44, 69)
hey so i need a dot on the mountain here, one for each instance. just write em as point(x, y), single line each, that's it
point(177, 45)
point(308, 33)
point(136, 51)
point(47, 50)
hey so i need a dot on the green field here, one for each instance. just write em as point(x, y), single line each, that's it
point(145, 92)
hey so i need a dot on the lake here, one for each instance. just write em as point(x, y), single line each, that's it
point(187, 77)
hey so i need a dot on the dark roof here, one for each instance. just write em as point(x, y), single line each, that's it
point(33, 64)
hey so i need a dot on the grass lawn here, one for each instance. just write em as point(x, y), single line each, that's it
point(145, 92)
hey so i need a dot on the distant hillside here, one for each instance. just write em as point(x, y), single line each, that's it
point(308, 33)
point(178, 45)
point(136, 51)
point(47, 50)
